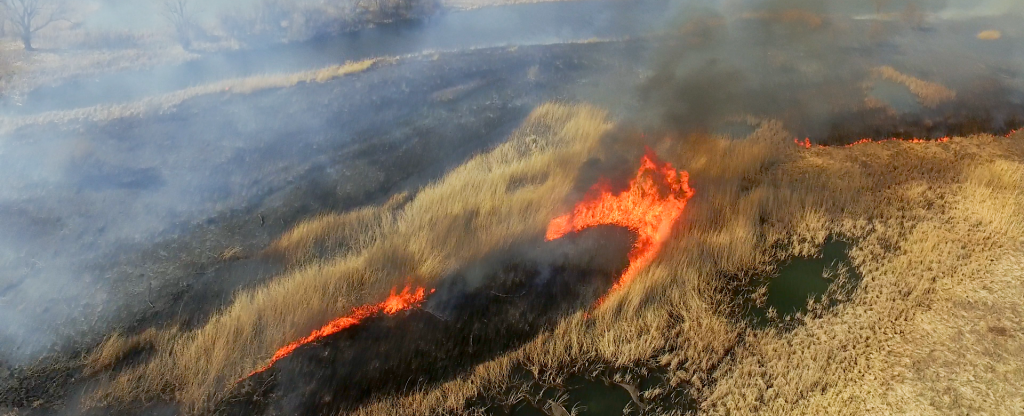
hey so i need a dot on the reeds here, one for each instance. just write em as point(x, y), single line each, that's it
point(937, 231)
point(498, 198)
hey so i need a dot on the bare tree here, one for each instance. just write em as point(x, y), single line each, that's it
point(31, 16)
point(182, 16)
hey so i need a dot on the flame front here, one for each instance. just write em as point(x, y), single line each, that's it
point(654, 201)
point(806, 143)
point(396, 302)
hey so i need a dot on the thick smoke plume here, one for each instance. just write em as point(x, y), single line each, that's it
point(815, 65)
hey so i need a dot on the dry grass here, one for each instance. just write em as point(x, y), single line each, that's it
point(167, 102)
point(790, 17)
point(929, 94)
point(934, 327)
point(990, 35)
point(503, 197)
point(936, 225)
point(116, 348)
point(331, 235)
point(231, 254)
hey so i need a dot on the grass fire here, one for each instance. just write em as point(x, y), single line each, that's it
point(642, 209)
point(395, 303)
point(468, 207)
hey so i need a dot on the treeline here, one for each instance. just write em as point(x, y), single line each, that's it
point(192, 22)
point(291, 20)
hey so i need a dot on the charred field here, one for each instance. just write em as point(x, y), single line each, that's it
point(768, 209)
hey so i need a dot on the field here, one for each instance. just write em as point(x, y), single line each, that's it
point(936, 230)
point(313, 197)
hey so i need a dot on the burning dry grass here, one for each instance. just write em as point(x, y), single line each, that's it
point(503, 197)
point(929, 94)
point(937, 228)
point(933, 327)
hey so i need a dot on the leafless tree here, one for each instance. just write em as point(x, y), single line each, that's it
point(31, 16)
point(182, 16)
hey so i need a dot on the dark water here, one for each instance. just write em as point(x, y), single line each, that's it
point(598, 398)
point(485, 27)
point(803, 278)
point(590, 397)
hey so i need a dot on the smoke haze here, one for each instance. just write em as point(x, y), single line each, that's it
point(79, 200)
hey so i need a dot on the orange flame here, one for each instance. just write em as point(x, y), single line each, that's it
point(396, 302)
point(806, 143)
point(654, 201)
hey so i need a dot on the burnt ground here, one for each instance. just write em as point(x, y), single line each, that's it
point(260, 163)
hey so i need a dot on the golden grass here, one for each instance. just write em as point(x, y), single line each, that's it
point(329, 235)
point(990, 35)
point(501, 197)
point(934, 326)
point(789, 17)
point(166, 102)
point(117, 347)
point(929, 94)
point(933, 223)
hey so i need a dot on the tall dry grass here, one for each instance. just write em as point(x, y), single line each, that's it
point(934, 326)
point(938, 230)
point(493, 200)
point(329, 235)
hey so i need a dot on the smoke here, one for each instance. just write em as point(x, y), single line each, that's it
point(78, 201)
point(813, 65)
point(103, 218)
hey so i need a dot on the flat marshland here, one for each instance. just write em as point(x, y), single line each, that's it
point(932, 327)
